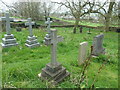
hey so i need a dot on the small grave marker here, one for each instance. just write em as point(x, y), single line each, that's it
point(32, 40)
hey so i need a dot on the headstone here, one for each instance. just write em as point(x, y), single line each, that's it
point(82, 53)
point(31, 42)
point(8, 39)
point(98, 45)
point(54, 71)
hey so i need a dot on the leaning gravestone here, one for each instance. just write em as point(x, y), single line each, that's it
point(82, 53)
point(54, 71)
point(32, 40)
point(98, 45)
point(8, 39)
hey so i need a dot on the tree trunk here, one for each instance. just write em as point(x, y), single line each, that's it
point(107, 23)
point(76, 24)
point(108, 16)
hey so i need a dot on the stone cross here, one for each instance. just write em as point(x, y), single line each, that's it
point(82, 53)
point(48, 22)
point(54, 40)
point(30, 23)
point(7, 19)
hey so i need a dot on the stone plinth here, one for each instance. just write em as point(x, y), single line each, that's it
point(32, 42)
point(55, 73)
point(8, 41)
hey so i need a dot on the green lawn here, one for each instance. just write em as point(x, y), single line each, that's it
point(21, 65)
point(87, 23)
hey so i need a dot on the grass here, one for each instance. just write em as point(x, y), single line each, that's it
point(21, 65)
point(87, 23)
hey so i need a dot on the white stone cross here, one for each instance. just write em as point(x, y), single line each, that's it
point(54, 40)
point(30, 23)
point(7, 19)
point(48, 22)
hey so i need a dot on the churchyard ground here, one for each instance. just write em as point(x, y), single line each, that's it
point(21, 65)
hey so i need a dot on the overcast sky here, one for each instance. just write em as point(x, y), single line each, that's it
point(9, 2)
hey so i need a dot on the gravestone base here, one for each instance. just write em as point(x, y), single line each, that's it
point(32, 42)
point(94, 53)
point(8, 41)
point(54, 73)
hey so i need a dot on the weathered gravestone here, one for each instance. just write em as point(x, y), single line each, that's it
point(82, 53)
point(8, 39)
point(54, 71)
point(32, 40)
point(98, 45)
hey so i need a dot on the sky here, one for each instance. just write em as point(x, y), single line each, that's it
point(9, 2)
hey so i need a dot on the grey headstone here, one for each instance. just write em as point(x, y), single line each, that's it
point(54, 70)
point(98, 45)
point(82, 53)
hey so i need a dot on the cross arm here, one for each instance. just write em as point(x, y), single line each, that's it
point(59, 39)
point(4, 19)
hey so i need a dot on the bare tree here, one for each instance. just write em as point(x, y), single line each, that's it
point(47, 8)
point(79, 8)
point(106, 12)
point(28, 9)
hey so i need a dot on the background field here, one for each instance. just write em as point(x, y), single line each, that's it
point(21, 65)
